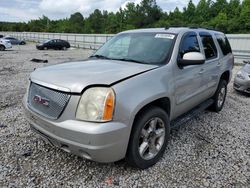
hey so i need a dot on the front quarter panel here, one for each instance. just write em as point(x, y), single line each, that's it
point(135, 93)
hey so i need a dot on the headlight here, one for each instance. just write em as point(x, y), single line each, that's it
point(240, 75)
point(96, 104)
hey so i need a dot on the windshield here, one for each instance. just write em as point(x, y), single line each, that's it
point(148, 48)
point(46, 41)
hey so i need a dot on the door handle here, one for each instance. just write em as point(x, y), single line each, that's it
point(218, 64)
point(201, 71)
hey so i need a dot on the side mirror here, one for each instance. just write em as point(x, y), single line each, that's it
point(191, 58)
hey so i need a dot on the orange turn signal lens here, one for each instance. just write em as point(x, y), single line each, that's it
point(109, 106)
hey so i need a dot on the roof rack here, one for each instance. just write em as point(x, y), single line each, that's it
point(194, 27)
point(168, 27)
point(190, 27)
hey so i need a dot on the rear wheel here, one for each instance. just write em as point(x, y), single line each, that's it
point(45, 48)
point(2, 48)
point(149, 138)
point(219, 96)
point(64, 48)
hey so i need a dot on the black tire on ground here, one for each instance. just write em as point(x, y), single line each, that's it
point(64, 48)
point(141, 134)
point(45, 48)
point(2, 48)
point(219, 97)
point(22, 43)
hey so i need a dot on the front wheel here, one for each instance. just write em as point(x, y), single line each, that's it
point(219, 96)
point(2, 48)
point(149, 137)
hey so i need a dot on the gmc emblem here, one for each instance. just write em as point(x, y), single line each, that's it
point(38, 99)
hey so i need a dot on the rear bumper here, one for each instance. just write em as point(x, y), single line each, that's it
point(242, 85)
point(101, 142)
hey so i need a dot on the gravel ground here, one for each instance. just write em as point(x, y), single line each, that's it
point(212, 150)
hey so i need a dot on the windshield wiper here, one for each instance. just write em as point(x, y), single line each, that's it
point(118, 59)
point(99, 56)
point(131, 60)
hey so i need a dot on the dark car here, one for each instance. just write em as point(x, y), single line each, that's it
point(14, 41)
point(1, 36)
point(56, 44)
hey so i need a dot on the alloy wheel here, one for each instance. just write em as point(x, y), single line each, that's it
point(151, 138)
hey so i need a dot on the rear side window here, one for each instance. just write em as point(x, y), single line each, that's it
point(208, 45)
point(224, 44)
point(189, 44)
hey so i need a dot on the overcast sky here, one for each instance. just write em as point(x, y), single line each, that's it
point(25, 10)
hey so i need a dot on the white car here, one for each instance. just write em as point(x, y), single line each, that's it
point(4, 44)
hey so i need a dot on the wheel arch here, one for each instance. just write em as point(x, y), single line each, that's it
point(3, 46)
point(225, 76)
point(163, 103)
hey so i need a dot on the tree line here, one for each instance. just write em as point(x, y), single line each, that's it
point(228, 16)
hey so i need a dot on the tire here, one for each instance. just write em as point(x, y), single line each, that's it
point(145, 138)
point(2, 48)
point(219, 96)
point(64, 48)
point(22, 43)
point(45, 48)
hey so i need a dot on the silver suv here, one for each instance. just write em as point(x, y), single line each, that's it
point(121, 102)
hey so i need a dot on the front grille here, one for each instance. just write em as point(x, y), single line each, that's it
point(47, 102)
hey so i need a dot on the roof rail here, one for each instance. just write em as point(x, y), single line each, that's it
point(168, 27)
point(190, 27)
point(194, 27)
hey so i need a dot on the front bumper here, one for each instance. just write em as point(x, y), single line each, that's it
point(39, 47)
point(8, 46)
point(242, 85)
point(101, 142)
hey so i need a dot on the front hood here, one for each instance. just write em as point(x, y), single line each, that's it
point(4, 41)
point(246, 68)
point(74, 77)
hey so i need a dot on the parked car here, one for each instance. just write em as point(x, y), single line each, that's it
point(4, 44)
point(242, 79)
point(56, 44)
point(1, 36)
point(122, 101)
point(14, 41)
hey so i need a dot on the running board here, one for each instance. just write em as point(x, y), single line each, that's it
point(176, 123)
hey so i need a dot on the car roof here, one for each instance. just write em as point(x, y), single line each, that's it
point(173, 30)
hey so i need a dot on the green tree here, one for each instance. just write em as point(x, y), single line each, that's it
point(150, 13)
point(218, 6)
point(176, 18)
point(95, 22)
point(75, 23)
point(189, 13)
point(42, 24)
point(245, 16)
point(202, 13)
point(220, 22)
point(232, 16)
